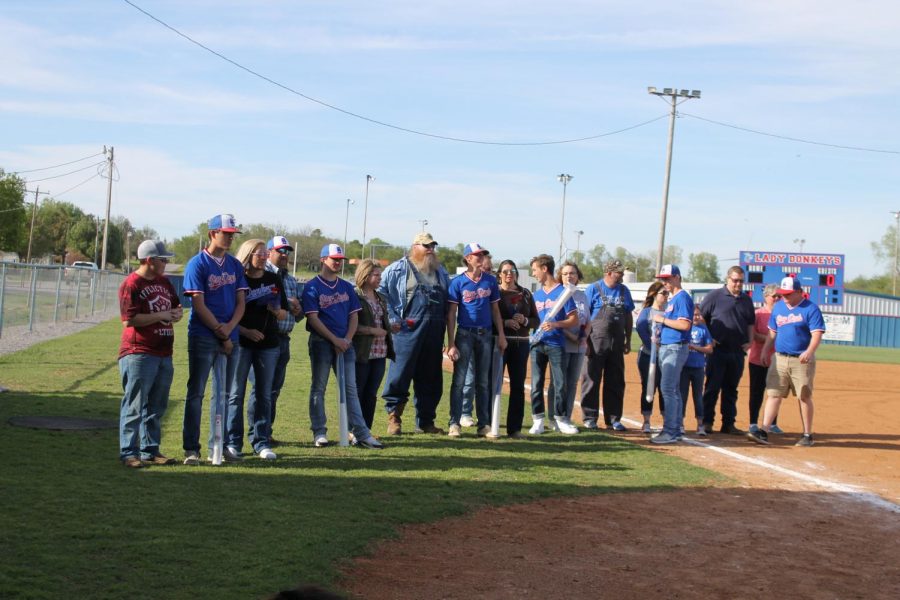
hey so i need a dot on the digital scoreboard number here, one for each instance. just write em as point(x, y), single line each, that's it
point(821, 275)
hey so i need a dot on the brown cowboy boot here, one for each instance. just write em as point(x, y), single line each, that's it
point(394, 420)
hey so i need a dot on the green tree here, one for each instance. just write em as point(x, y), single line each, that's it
point(704, 267)
point(13, 216)
point(52, 226)
point(885, 251)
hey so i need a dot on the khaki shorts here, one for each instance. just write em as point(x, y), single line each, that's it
point(787, 373)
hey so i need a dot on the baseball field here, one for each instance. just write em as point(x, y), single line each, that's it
point(586, 516)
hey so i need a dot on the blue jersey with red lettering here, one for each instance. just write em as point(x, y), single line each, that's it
point(794, 326)
point(699, 337)
point(219, 280)
point(545, 301)
point(474, 298)
point(334, 302)
point(680, 306)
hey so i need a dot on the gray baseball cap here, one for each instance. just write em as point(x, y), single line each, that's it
point(152, 249)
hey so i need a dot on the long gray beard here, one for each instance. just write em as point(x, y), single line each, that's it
point(428, 264)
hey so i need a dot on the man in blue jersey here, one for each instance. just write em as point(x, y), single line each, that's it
point(673, 352)
point(796, 328)
point(215, 282)
point(473, 309)
point(551, 347)
point(331, 307)
point(609, 340)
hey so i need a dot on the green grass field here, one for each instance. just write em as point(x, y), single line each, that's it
point(77, 524)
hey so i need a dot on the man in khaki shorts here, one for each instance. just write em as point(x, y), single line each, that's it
point(796, 328)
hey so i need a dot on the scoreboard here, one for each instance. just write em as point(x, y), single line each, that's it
point(821, 275)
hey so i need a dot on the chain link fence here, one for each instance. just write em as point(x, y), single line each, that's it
point(40, 295)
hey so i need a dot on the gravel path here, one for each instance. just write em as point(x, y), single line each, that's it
point(18, 338)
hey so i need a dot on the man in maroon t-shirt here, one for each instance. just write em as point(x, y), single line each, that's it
point(149, 305)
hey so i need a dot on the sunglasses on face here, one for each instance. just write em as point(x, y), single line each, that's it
point(283, 251)
point(261, 254)
point(508, 272)
point(161, 259)
point(736, 280)
point(431, 246)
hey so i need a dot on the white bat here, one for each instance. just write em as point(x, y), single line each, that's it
point(651, 372)
point(218, 409)
point(557, 306)
point(498, 390)
point(342, 403)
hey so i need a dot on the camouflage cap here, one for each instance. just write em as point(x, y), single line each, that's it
point(615, 266)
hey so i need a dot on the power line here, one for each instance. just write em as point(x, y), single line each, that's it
point(370, 119)
point(791, 139)
point(94, 176)
point(69, 173)
point(57, 166)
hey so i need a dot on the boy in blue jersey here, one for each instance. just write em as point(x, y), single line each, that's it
point(673, 351)
point(551, 347)
point(215, 282)
point(473, 309)
point(331, 307)
point(796, 328)
point(692, 374)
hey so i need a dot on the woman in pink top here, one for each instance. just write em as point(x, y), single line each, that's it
point(757, 369)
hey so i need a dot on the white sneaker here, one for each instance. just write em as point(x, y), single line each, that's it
point(537, 427)
point(232, 454)
point(321, 441)
point(701, 431)
point(466, 421)
point(267, 454)
point(454, 431)
point(564, 426)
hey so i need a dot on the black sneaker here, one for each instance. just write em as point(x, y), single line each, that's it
point(759, 436)
point(806, 440)
point(731, 430)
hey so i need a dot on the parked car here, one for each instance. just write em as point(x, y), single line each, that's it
point(82, 265)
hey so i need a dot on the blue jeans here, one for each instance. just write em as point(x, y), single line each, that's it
point(476, 349)
point(146, 380)
point(202, 352)
point(284, 356)
point(263, 362)
point(322, 359)
point(574, 368)
point(418, 362)
point(368, 379)
point(541, 354)
point(692, 377)
point(469, 390)
point(671, 360)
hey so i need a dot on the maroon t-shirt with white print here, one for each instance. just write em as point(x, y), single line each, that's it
point(143, 296)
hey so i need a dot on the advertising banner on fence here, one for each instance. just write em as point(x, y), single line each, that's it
point(839, 328)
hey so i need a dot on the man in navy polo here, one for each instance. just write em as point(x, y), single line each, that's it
point(729, 316)
point(796, 328)
point(473, 307)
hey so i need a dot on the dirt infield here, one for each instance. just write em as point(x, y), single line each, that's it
point(820, 522)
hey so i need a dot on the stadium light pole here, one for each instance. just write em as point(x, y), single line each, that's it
point(578, 234)
point(674, 94)
point(800, 242)
point(346, 224)
point(564, 178)
point(365, 217)
point(424, 224)
point(896, 214)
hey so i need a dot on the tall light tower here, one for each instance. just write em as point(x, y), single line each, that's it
point(578, 234)
point(563, 178)
point(424, 224)
point(346, 224)
point(896, 214)
point(800, 242)
point(365, 216)
point(674, 94)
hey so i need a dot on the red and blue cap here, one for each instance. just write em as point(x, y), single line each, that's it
point(332, 251)
point(474, 248)
point(789, 285)
point(669, 271)
point(278, 242)
point(224, 223)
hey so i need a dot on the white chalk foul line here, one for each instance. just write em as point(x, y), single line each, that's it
point(852, 491)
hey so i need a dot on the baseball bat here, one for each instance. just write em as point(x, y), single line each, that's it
point(497, 367)
point(342, 402)
point(218, 409)
point(651, 371)
point(557, 306)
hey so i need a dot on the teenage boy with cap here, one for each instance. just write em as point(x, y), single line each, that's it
point(473, 297)
point(416, 290)
point(148, 305)
point(609, 340)
point(279, 250)
point(215, 282)
point(796, 328)
point(676, 322)
point(331, 306)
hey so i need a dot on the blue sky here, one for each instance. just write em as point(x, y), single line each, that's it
point(195, 136)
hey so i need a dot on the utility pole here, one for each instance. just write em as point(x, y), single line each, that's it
point(109, 167)
point(365, 217)
point(33, 215)
point(346, 225)
point(674, 94)
point(896, 214)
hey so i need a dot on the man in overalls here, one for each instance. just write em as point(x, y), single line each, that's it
point(416, 290)
point(609, 340)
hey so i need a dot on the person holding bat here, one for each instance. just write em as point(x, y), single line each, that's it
point(654, 304)
point(258, 348)
point(557, 311)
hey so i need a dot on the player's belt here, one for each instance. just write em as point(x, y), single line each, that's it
point(788, 354)
point(477, 330)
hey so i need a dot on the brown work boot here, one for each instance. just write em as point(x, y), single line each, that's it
point(394, 420)
point(133, 462)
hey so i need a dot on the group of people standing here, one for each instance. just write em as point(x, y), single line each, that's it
point(392, 325)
